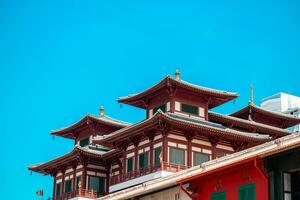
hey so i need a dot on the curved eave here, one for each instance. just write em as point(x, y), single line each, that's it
point(45, 168)
point(106, 121)
point(289, 120)
point(248, 124)
point(224, 133)
point(137, 99)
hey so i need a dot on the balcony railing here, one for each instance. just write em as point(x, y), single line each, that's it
point(78, 193)
point(165, 166)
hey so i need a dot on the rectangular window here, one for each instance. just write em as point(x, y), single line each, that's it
point(161, 107)
point(129, 164)
point(177, 156)
point(218, 195)
point(157, 152)
point(200, 158)
point(143, 160)
point(247, 192)
point(189, 109)
point(96, 183)
point(84, 142)
point(78, 179)
point(68, 184)
point(58, 186)
point(287, 186)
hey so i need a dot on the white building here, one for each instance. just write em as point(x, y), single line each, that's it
point(282, 102)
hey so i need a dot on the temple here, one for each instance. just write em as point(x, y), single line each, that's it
point(179, 132)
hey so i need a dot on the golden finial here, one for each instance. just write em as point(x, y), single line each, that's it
point(177, 74)
point(101, 113)
point(251, 100)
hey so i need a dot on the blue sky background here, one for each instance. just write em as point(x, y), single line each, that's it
point(62, 59)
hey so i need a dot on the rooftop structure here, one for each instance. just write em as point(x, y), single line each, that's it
point(178, 133)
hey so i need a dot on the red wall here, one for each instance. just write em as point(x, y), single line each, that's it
point(230, 180)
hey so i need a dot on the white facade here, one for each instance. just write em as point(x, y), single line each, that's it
point(285, 103)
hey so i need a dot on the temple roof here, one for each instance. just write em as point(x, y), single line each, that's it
point(247, 124)
point(203, 127)
point(251, 109)
point(218, 97)
point(66, 159)
point(101, 120)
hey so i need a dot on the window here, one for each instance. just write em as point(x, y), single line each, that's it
point(200, 158)
point(157, 152)
point(161, 107)
point(68, 186)
point(218, 195)
point(84, 142)
point(247, 192)
point(78, 179)
point(129, 164)
point(177, 156)
point(189, 109)
point(287, 186)
point(96, 183)
point(58, 189)
point(143, 160)
point(177, 196)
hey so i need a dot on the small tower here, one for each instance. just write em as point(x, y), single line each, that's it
point(251, 100)
point(177, 74)
point(101, 112)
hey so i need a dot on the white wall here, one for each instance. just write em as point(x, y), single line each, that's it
point(168, 194)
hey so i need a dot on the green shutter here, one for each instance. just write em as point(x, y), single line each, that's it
point(84, 142)
point(200, 158)
point(68, 186)
point(161, 107)
point(129, 164)
point(58, 186)
point(96, 183)
point(143, 160)
point(218, 195)
point(157, 152)
point(177, 156)
point(247, 192)
point(189, 109)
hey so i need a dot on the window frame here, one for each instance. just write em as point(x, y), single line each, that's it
point(156, 162)
point(194, 157)
point(127, 168)
point(170, 155)
point(187, 107)
point(99, 179)
point(247, 186)
point(68, 185)
point(58, 189)
point(147, 160)
point(214, 195)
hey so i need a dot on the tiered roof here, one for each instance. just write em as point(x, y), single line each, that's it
point(100, 121)
point(182, 122)
point(285, 120)
point(96, 153)
point(217, 97)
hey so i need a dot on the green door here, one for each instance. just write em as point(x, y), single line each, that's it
point(247, 192)
point(218, 195)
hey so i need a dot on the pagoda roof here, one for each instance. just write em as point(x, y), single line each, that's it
point(218, 97)
point(286, 119)
point(247, 124)
point(181, 121)
point(66, 160)
point(103, 120)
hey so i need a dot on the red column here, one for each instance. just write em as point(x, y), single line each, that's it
point(165, 148)
point(189, 151)
point(83, 176)
point(63, 182)
point(136, 159)
point(213, 142)
point(108, 167)
point(151, 154)
point(124, 166)
point(74, 178)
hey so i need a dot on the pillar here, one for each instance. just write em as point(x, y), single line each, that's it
point(54, 185)
point(63, 182)
point(189, 151)
point(74, 178)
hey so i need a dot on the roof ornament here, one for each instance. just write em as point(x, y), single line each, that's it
point(101, 113)
point(251, 100)
point(177, 74)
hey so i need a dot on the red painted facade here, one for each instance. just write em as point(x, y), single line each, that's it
point(229, 179)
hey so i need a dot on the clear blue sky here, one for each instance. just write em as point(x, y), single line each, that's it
point(62, 59)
